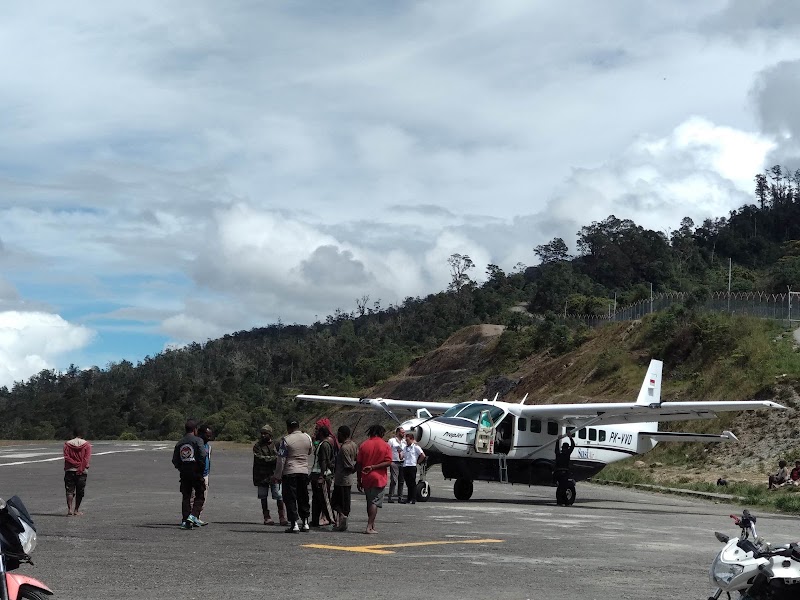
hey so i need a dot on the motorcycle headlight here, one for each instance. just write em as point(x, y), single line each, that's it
point(27, 538)
point(723, 572)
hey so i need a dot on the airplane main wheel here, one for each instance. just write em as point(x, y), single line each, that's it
point(462, 489)
point(570, 494)
point(423, 491)
point(566, 495)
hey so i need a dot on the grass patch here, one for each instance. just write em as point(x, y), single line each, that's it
point(785, 499)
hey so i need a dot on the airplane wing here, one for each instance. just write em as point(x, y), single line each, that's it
point(385, 404)
point(578, 415)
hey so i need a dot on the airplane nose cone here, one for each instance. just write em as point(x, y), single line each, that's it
point(422, 433)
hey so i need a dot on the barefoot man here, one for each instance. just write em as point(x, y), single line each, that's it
point(77, 454)
point(373, 460)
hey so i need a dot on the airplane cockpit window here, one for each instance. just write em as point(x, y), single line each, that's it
point(472, 410)
point(454, 410)
point(522, 424)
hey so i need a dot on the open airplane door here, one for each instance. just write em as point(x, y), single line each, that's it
point(484, 436)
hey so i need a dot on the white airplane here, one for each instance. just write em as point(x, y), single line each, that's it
point(486, 440)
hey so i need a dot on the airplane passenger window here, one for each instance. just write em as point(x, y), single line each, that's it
point(522, 424)
point(552, 428)
point(592, 435)
point(582, 434)
point(536, 426)
point(602, 435)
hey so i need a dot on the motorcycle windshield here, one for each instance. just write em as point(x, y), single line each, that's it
point(22, 512)
point(17, 532)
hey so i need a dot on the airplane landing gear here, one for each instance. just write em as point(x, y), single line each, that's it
point(565, 494)
point(462, 489)
point(423, 491)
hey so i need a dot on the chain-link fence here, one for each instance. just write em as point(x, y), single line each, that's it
point(784, 307)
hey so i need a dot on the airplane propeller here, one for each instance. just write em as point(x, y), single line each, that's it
point(385, 407)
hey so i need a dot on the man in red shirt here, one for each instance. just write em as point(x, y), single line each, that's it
point(372, 463)
point(77, 455)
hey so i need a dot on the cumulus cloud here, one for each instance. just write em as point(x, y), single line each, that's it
point(700, 170)
point(774, 93)
point(328, 265)
point(33, 341)
point(192, 171)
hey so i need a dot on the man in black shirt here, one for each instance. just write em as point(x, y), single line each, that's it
point(562, 468)
point(189, 457)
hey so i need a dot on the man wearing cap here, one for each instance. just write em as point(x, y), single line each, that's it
point(291, 469)
point(264, 459)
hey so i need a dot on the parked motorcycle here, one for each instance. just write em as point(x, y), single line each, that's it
point(17, 541)
point(754, 568)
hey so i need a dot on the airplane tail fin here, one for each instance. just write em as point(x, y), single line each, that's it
point(650, 392)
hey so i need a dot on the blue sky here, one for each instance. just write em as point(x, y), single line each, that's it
point(172, 173)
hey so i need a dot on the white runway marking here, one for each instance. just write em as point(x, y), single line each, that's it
point(28, 454)
point(27, 462)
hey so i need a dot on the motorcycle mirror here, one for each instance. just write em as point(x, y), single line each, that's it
point(721, 537)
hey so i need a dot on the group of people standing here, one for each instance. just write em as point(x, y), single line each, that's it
point(285, 470)
point(406, 455)
point(329, 465)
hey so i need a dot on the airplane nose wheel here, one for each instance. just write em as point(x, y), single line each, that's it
point(462, 489)
point(423, 491)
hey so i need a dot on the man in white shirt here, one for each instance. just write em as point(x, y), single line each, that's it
point(412, 456)
point(397, 444)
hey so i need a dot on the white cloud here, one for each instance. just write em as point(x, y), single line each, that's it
point(700, 170)
point(197, 170)
point(33, 341)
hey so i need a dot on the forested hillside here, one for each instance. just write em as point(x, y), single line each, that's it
point(242, 380)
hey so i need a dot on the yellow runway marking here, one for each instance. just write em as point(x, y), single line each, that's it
point(381, 548)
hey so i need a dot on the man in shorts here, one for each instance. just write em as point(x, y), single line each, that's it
point(77, 454)
point(373, 460)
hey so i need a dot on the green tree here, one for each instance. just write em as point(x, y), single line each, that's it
point(553, 251)
point(460, 264)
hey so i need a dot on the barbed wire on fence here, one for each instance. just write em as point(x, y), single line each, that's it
point(779, 306)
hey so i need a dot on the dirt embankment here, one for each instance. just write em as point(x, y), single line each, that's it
point(448, 370)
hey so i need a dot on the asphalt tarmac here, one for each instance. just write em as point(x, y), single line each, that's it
point(507, 542)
